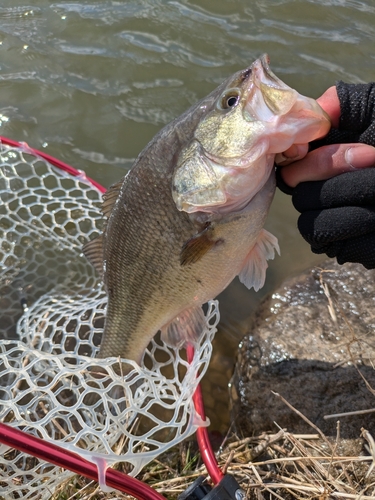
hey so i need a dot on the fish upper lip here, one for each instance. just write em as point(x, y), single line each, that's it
point(260, 70)
point(262, 61)
point(265, 63)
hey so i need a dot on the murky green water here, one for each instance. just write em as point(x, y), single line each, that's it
point(91, 82)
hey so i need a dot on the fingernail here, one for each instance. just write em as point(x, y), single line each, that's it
point(280, 159)
point(292, 153)
point(360, 156)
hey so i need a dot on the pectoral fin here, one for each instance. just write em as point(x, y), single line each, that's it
point(194, 249)
point(253, 273)
point(186, 328)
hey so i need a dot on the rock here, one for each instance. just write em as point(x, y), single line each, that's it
point(313, 342)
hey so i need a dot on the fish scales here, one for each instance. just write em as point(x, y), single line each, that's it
point(142, 222)
point(189, 215)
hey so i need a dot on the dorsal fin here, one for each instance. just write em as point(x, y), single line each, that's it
point(110, 197)
point(93, 251)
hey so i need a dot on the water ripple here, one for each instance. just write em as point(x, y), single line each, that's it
point(177, 53)
point(201, 15)
point(107, 12)
point(17, 13)
point(333, 67)
point(303, 31)
point(21, 21)
point(100, 158)
point(158, 106)
point(146, 41)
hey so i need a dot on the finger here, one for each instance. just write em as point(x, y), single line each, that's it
point(294, 153)
point(329, 101)
point(328, 161)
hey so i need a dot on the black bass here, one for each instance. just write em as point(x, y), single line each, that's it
point(189, 215)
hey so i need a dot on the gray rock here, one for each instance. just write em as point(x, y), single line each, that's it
point(315, 351)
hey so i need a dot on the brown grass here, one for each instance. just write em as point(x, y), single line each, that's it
point(270, 466)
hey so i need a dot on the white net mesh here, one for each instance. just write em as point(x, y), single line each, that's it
point(52, 309)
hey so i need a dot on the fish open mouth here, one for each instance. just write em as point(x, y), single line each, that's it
point(269, 99)
point(266, 95)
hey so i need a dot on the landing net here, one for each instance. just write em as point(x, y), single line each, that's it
point(52, 309)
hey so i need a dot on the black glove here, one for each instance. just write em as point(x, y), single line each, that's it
point(338, 215)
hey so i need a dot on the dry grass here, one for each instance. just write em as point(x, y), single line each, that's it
point(270, 466)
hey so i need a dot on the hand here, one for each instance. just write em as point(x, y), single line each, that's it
point(337, 211)
point(326, 161)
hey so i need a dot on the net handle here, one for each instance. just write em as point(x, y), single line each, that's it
point(204, 444)
point(66, 459)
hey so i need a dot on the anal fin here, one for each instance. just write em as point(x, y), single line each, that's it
point(253, 273)
point(186, 328)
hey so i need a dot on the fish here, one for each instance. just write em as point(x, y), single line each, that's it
point(189, 215)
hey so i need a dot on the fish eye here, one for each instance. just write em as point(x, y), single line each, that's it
point(229, 99)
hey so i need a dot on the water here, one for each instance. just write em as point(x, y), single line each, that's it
point(91, 82)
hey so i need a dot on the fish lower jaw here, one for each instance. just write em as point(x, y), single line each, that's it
point(234, 206)
point(241, 190)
